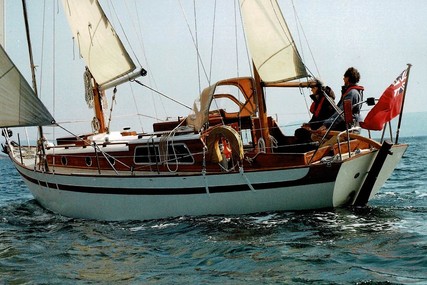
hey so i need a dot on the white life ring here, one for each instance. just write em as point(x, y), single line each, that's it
point(234, 143)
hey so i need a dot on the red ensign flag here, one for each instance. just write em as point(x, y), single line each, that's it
point(388, 105)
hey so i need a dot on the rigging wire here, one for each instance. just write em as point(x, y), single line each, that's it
point(43, 49)
point(194, 42)
point(214, 99)
point(212, 44)
point(124, 33)
point(137, 28)
point(297, 20)
point(136, 107)
point(162, 94)
point(246, 45)
point(138, 31)
point(300, 29)
point(197, 45)
point(236, 41)
point(298, 25)
point(239, 95)
point(54, 15)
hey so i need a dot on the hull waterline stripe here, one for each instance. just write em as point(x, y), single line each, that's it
point(312, 177)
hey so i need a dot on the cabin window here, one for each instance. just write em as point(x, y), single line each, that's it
point(246, 136)
point(179, 152)
point(145, 154)
point(88, 161)
point(64, 160)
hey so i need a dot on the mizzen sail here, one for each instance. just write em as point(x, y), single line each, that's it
point(99, 45)
point(19, 105)
point(272, 47)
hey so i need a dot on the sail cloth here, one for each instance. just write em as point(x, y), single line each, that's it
point(19, 106)
point(99, 45)
point(270, 42)
point(2, 22)
point(389, 105)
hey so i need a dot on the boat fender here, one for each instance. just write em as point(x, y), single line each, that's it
point(214, 138)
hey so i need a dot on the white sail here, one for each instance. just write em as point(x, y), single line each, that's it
point(19, 105)
point(99, 45)
point(2, 22)
point(272, 47)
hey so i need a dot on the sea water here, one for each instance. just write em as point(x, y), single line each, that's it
point(383, 243)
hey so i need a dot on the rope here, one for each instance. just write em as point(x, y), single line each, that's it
point(88, 89)
point(166, 138)
point(113, 100)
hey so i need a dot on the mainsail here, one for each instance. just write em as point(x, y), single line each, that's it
point(19, 105)
point(272, 47)
point(99, 45)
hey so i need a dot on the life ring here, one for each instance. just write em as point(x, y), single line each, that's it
point(234, 143)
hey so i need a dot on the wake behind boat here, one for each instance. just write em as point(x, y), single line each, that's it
point(212, 162)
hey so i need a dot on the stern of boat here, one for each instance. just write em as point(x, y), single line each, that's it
point(353, 180)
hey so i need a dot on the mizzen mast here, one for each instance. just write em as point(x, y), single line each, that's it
point(273, 51)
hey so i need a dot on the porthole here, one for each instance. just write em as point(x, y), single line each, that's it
point(88, 161)
point(356, 175)
point(112, 160)
point(64, 160)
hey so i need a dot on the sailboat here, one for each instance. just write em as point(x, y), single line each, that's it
point(201, 164)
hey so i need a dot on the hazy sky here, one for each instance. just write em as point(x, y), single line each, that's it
point(378, 37)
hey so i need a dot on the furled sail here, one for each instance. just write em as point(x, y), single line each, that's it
point(19, 105)
point(99, 45)
point(272, 47)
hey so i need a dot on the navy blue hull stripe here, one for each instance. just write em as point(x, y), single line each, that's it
point(315, 175)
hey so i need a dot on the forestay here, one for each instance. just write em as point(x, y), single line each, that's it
point(99, 45)
point(19, 105)
point(272, 47)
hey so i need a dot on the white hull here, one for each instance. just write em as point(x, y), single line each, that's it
point(118, 197)
point(228, 156)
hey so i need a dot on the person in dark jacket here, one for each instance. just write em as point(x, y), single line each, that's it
point(321, 108)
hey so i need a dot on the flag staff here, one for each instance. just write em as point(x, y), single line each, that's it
point(403, 103)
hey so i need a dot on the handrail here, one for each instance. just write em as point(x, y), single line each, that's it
point(330, 133)
point(371, 142)
point(353, 136)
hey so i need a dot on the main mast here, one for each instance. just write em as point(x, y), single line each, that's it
point(34, 82)
point(94, 93)
point(105, 56)
point(30, 51)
